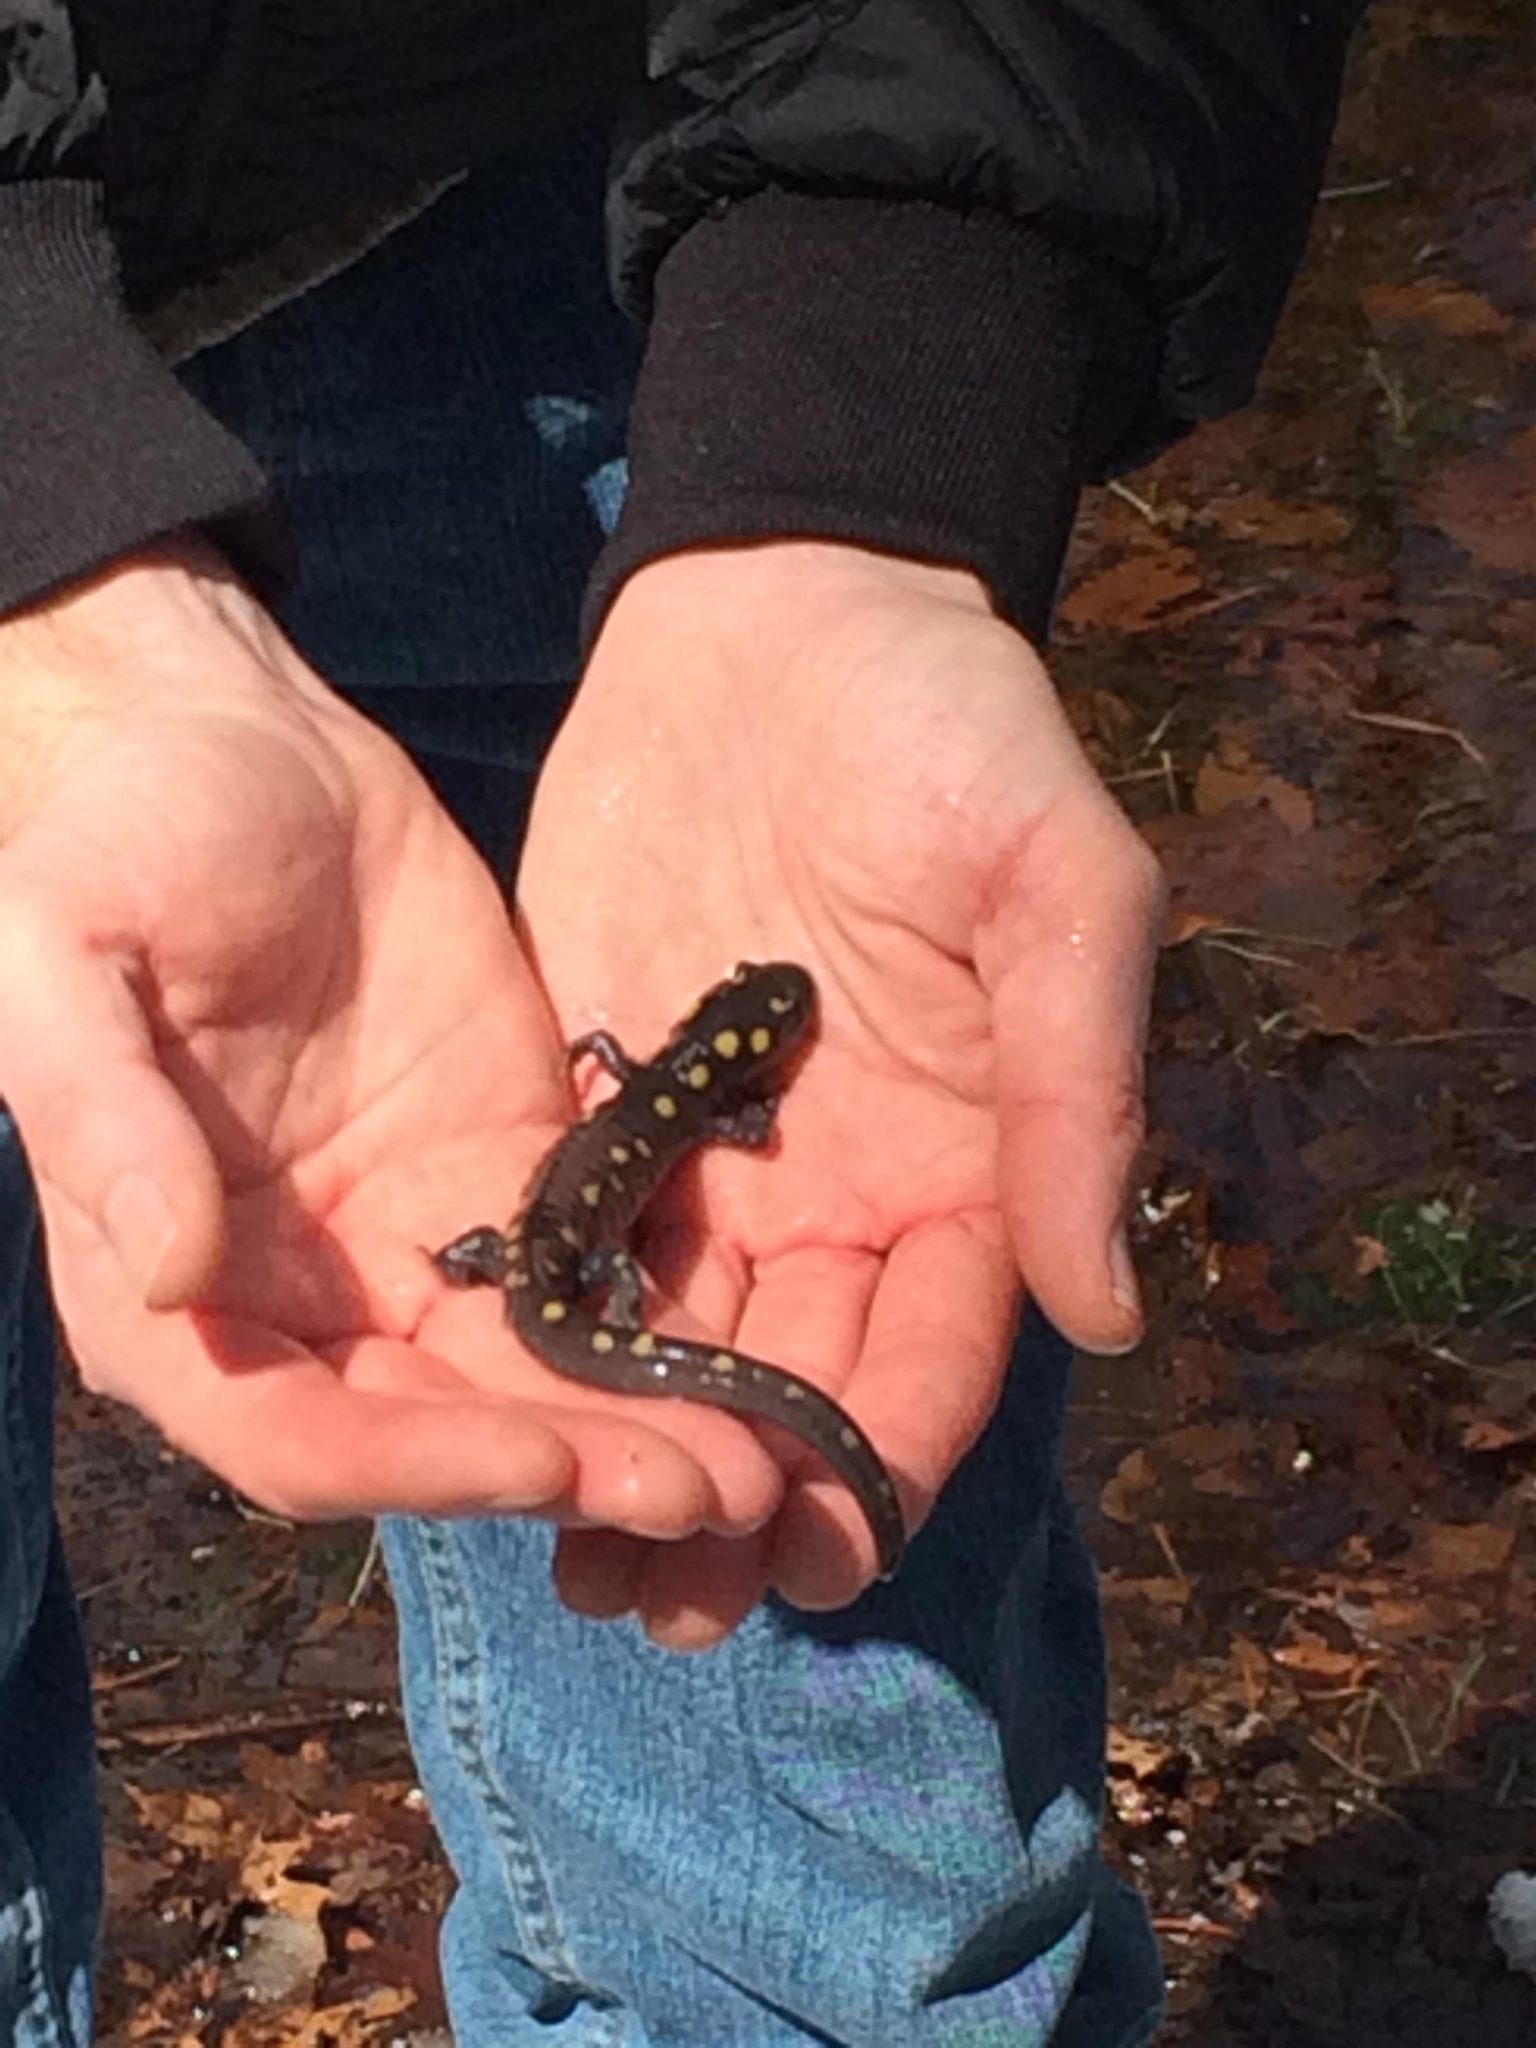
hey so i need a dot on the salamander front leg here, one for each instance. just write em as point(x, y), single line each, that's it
point(748, 1124)
point(477, 1259)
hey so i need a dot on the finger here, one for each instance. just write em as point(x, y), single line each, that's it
point(929, 1372)
point(102, 1125)
point(614, 1439)
point(597, 1572)
point(692, 1595)
point(746, 1482)
point(1068, 961)
point(288, 1430)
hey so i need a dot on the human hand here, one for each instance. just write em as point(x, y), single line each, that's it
point(266, 1033)
point(809, 752)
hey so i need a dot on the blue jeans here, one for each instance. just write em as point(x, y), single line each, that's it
point(876, 1827)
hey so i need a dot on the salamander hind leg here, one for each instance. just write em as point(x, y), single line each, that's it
point(611, 1269)
point(603, 1047)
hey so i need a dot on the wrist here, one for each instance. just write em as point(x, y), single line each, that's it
point(167, 629)
point(788, 587)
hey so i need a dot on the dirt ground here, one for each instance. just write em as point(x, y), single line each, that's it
point(1303, 650)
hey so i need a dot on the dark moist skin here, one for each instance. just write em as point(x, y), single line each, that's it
point(716, 1081)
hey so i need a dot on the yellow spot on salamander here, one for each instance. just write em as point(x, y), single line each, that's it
point(643, 1345)
point(619, 1154)
point(727, 1044)
point(760, 1038)
point(570, 1237)
point(643, 1147)
point(591, 1192)
point(698, 1074)
point(603, 1340)
point(793, 1391)
point(780, 1005)
point(723, 1361)
point(665, 1106)
point(554, 1311)
point(850, 1437)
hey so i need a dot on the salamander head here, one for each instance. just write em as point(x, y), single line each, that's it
point(749, 1024)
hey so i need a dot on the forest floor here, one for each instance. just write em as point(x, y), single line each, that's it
point(1302, 648)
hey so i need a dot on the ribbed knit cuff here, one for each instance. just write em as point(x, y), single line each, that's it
point(100, 448)
point(877, 371)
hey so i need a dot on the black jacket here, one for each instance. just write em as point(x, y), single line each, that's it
point(994, 246)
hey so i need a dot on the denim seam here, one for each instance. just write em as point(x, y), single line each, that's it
point(461, 1689)
point(42, 2008)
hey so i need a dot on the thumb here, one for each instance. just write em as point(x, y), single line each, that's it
point(111, 1143)
point(1068, 962)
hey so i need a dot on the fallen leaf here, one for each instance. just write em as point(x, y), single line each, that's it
point(1486, 503)
point(1134, 1753)
point(1250, 515)
point(1448, 307)
point(1157, 1592)
point(1134, 1476)
point(1515, 975)
point(1465, 1550)
point(1314, 1658)
point(1133, 595)
point(1252, 1668)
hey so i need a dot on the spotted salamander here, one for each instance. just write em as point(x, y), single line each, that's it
point(716, 1080)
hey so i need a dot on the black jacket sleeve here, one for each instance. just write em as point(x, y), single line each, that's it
point(912, 268)
point(917, 268)
point(100, 448)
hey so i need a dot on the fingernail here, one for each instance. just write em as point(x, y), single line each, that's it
point(1123, 1284)
point(141, 1229)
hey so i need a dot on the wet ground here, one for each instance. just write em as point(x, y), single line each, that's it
point(1303, 649)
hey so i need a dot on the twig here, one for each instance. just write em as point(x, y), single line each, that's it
point(1194, 1923)
point(1366, 191)
point(1127, 496)
point(366, 1569)
point(1170, 621)
point(1355, 1771)
point(1411, 1748)
point(253, 1721)
point(1461, 1685)
point(103, 1682)
point(1165, 1545)
point(1390, 721)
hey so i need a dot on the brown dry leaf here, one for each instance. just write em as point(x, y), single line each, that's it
point(1201, 1446)
point(355, 2023)
point(1465, 1550)
point(1449, 307)
point(1515, 975)
point(1189, 924)
point(1250, 515)
point(263, 1876)
point(1252, 1668)
point(1135, 1754)
point(192, 1820)
point(1314, 1658)
point(1219, 785)
point(1371, 1256)
point(1134, 1476)
point(1242, 1286)
point(1133, 595)
point(1486, 503)
point(1157, 1592)
point(1484, 1434)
